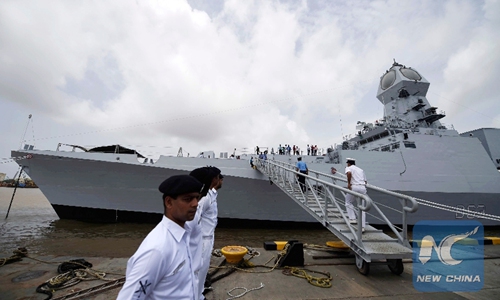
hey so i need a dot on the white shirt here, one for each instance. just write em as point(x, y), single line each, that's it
point(203, 225)
point(196, 238)
point(209, 215)
point(162, 266)
point(358, 176)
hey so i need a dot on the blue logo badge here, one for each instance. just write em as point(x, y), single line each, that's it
point(448, 256)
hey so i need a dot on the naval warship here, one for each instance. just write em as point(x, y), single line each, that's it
point(407, 151)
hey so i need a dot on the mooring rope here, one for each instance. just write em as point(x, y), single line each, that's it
point(244, 265)
point(19, 253)
point(244, 292)
point(78, 270)
point(324, 282)
point(70, 272)
point(73, 262)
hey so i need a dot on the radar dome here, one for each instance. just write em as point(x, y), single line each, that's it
point(388, 79)
point(410, 74)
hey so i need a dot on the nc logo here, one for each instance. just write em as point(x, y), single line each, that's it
point(443, 251)
point(448, 265)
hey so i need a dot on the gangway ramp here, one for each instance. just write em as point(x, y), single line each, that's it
point(324, 199)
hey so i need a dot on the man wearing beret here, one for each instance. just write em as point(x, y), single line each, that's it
point(206, 218)
point(163, 265)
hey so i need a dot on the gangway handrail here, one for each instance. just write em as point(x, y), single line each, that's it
point(413, 200)
point(356, 235)
point(369, 202)
point(416, 202)
point(320, 198)
point(363, 196)
point(411, 209)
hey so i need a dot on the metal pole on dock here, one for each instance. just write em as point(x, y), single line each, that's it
point(14, 193)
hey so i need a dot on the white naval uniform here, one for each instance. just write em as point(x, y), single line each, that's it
point(208, 224)
point(358, 184)
point(199, 241)
point(162, 266)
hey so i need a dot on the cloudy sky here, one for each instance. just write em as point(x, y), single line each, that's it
point(219, 75)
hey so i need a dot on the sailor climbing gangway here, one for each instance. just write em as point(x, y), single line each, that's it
point(324, 200)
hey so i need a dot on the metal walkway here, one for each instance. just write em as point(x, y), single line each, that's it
point(324, 199)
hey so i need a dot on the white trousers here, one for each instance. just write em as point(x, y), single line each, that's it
point(351, 205)
point(206, 254)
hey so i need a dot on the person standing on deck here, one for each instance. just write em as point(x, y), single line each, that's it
point(356, 181)
point(302, 168)
point(163, 265)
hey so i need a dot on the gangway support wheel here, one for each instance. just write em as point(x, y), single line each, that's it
point(396, 266)
point(362, 265)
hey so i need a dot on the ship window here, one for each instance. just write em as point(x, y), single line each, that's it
point(395, 146)
point(386, 148)
point(388, 79)
point(410, 74)
point(410, 144)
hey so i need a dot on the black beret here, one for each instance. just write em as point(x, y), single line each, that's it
point(180, 184)
point(214, 172)
point(203, 175)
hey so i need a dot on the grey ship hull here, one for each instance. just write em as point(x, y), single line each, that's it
point(118, 188)
point(127, 191)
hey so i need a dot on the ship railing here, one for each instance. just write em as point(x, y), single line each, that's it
point(407, 203)
point(326, 186)
point(322, 198)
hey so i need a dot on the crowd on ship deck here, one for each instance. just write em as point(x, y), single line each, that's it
point(288, 149)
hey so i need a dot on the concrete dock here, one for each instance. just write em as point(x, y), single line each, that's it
point(19, 280)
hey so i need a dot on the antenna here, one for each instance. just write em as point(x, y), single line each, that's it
point(340, 117)
point(26, 129)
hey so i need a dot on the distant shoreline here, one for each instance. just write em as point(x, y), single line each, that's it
point(22, 187)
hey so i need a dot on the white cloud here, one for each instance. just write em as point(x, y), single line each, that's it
point(238, 73)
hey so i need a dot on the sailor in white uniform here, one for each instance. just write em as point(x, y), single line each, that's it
point(208, 224)
point(356, 181)
point(206, 218)
point(162, 267)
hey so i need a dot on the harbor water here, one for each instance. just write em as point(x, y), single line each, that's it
point(32, 223)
